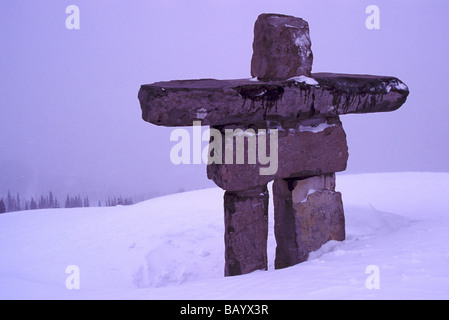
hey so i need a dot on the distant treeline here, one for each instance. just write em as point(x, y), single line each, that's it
point(16, 203)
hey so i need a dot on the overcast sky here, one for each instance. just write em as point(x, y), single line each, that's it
point(70, 120)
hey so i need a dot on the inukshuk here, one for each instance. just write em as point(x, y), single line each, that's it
point(300, 110)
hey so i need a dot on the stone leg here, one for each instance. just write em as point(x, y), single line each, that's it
point(246, 230)
point(307, 214)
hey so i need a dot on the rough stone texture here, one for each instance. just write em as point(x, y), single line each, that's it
point(246, 231)
point(225, 102)
point(312, 148)
point(281, 47)
point(308, 213)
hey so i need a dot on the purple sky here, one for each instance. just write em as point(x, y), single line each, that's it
point(70, 120)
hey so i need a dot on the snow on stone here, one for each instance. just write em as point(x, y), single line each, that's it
point(302, 41)
point(398, 85)
point(261, 94)
point(315, 129)
point(310, 192)
point(401, 86)
point(304, 79)
point(201, 113)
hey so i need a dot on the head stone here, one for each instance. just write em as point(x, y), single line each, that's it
point(281, 48)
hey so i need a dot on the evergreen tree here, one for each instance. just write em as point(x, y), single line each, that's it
point(86, 202)
point(79, 202)
point(67, 202)
point(43, 202)
point(56, 204)
point(33, 204)
point(10, 203)
point(51, 200)
point(18, 204)
point(2, 206)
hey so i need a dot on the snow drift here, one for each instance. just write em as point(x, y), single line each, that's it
point(172, 248)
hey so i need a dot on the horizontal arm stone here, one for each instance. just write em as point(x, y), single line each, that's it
point(244, 101)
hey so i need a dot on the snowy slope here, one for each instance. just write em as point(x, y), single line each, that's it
point(172, 248)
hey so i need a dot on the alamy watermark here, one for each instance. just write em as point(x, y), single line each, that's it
point(72, 282)
point(373, 280)
point(73, 20)
point(372, 22)
point(220, 148)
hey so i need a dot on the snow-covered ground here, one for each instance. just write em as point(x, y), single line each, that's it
point(172, 248)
